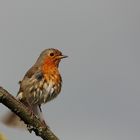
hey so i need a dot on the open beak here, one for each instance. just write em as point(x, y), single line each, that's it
point(62, 56)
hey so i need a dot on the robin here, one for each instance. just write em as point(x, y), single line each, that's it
point(41, 84)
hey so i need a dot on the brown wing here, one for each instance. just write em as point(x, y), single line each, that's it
point(31, 81)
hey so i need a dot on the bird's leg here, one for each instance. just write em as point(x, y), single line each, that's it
point(41, 116)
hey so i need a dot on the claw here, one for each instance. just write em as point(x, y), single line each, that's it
point(30, 128)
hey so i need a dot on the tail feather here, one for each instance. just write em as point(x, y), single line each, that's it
point(12, 120)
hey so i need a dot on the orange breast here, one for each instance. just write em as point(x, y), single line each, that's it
point(51, 73)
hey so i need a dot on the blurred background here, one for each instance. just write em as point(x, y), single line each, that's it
point(100, 98)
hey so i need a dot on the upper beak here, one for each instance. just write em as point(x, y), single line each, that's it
point(62, 56)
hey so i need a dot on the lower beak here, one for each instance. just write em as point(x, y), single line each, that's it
point(62, 56)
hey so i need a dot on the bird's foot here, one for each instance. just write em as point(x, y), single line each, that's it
point(30, 128)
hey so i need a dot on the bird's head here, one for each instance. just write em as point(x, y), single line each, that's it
point(50, 57)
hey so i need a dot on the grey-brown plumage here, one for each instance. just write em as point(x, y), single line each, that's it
point(41, 83)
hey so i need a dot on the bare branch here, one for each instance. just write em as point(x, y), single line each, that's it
point(26, 115)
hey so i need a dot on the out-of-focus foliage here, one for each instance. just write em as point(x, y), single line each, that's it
point(2, 136)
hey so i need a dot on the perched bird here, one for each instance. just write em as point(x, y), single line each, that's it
point(41, 84)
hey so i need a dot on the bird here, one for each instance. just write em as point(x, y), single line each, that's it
point(42, 83)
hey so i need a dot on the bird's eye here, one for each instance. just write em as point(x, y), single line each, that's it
point(51, 54)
